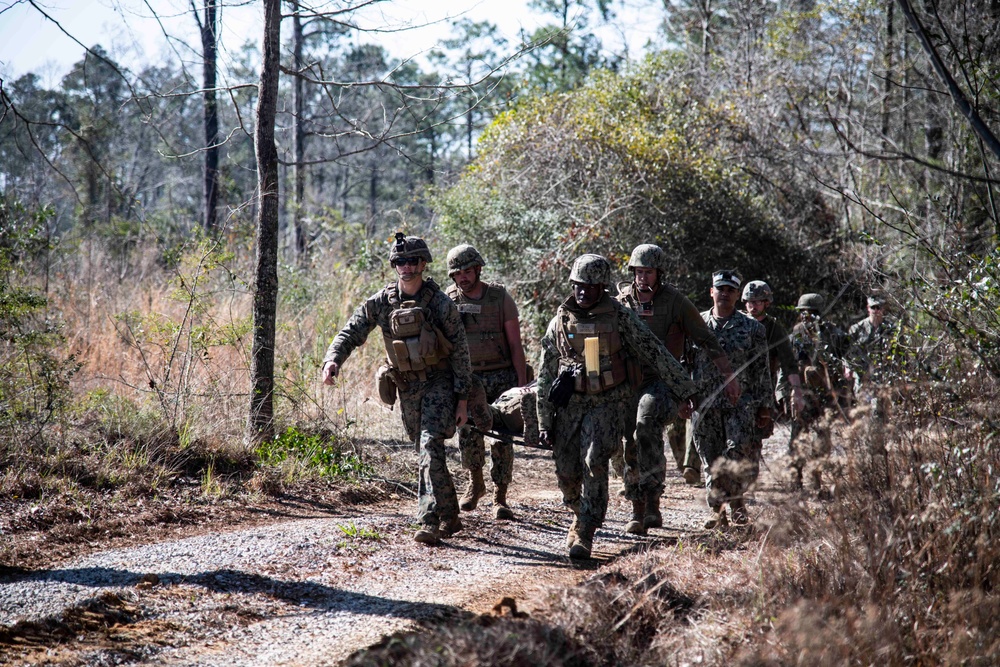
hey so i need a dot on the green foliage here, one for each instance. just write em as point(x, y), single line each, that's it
point(35, 368)
point(358, 532)
point(627, 159)
point(319, 452)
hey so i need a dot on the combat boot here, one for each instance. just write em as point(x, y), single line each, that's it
point(582, 542)
point(428, 534)
point(635, 526)
point(500, 510)
point(738, 508)
point(718, 519)
point(653, 518)
point(476, 490)
point(450, 526)
point(692, 477)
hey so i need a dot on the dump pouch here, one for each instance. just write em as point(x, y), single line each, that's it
point(563, 387)
point(386, 385)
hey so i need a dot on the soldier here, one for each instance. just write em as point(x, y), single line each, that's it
point(821, 348)
point(673, 319)
point(757, 296)
point(725, 434)
point(494, 334)
point(873, 339)
point(428, 355)
point(583, 387)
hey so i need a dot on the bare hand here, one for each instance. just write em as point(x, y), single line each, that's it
point(330, 371)
point(732, 390)
point(798, 402)
point(461, 413)
point(763, 418)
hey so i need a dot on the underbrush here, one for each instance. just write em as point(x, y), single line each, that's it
point(903, 566)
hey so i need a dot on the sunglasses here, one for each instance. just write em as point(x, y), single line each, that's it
point(875, 307)
point(406, 261)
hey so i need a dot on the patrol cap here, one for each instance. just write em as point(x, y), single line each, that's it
point(409, 246)
point(591, 269)
point(875, 300)
point(726, 277)
point(757, 290)
point(811, 301)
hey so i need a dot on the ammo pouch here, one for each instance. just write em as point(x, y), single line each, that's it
point(414, 344)
point(562, 388)
point(386, 384)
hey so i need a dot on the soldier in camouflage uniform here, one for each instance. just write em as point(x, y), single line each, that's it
point(821, 349)
point(493, 330)
point(673, 319)
point(873, 339)
point(757, 296)
point(580, 406)
point(726, 435)
point(428, 355)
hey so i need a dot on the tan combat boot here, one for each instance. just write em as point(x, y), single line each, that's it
point(635, 526)
point(653, 518)
point(500, 509)
point(450, 526)
point(476, 490)
point(428, 534)
point(582, 542)
point(692, 477)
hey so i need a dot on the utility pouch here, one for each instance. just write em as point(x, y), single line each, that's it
point(563, 387)
point(386, 384)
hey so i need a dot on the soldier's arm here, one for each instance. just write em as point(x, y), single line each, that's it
point(758, 373)
point(354, 333)
point(512, 332)
point(548, 369)
point(699, 333)
point(453, 329)
point(649, 349)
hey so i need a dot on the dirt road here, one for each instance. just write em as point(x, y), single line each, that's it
point(312, 591)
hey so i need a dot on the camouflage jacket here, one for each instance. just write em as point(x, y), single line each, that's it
point(637, 341)
point(872, 347)
point(819, 342)
point(375, 311)
point(744, 340)
point(672, 317)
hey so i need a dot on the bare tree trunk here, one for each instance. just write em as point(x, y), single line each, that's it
point(299, 132)
point(209, 47)
point(260, 424)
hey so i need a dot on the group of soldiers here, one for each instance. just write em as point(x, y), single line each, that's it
point(614, 374)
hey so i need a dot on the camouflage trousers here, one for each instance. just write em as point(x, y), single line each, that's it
point(585, 434)
point(428, 409)
point(730, 450)
point(472, 445)
point(649, 411)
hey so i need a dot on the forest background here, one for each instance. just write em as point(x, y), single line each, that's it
point(177, 253)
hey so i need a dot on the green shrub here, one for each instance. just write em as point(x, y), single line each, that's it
point(319, 452)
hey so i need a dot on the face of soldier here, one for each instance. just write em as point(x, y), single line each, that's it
point(724, 299)
point(409, 272)
point(875, 314)
point(757, 308)
point(467, 279)
point(646, 279)
point(587, 295)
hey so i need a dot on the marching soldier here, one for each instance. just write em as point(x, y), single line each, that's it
point(428, 356)
point(494, 334)
point(583, 387)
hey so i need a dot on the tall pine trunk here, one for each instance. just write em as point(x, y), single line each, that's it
point(260, 424)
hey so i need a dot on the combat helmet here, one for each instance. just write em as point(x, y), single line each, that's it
point(591, 270)
point(648, 256)
point(409, 246)
point(813, 302)
point(757, 290)
point(462, 257)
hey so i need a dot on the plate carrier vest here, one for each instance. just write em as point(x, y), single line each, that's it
point(603, 323)
point(413, 344)
point(488, 348)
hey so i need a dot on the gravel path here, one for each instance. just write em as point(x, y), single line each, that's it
point(313, 591)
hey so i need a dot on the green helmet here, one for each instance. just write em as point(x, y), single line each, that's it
point(409, 246)
point(461, 257)
point(814, 302)
point(591, 270)
point(757, 290)
point(648, 256)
